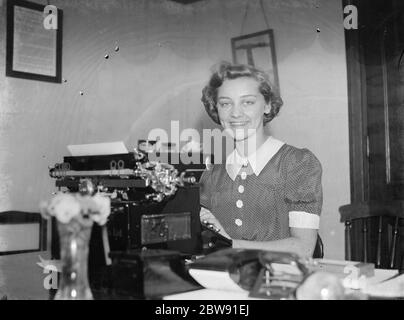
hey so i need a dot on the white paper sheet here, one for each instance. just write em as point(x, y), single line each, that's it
point(381, 275)
point(96, 149)
point(211, 294)
point(217, 280)
point(390, 288)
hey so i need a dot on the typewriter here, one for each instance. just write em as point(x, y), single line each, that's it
point(154, 204)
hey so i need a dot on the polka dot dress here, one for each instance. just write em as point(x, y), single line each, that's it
point(257, 207)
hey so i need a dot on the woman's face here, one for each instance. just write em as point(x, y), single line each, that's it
point(241, 107)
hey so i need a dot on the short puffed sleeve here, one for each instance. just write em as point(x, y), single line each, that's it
point(303, 190)
point(205, 184)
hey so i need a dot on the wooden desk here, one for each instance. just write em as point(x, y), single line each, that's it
point(22, 279)
point(215, 294)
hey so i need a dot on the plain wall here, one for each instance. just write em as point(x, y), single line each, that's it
point(165, 54)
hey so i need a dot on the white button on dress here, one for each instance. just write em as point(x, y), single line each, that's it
point(241, 189)
point(244, 175)
point(238, 222)
point(239, 204)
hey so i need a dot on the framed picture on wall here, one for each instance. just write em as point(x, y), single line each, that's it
point(258, 50)
point(22, 232)
point(34, 42)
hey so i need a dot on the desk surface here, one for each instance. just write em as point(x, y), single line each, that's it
point(215, 294)
point(21, 278)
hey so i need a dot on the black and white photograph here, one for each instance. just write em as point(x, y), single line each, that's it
point(203, 157)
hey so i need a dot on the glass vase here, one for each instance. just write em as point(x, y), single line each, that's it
point(74, 240)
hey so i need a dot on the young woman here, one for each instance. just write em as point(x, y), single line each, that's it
point(268, 194)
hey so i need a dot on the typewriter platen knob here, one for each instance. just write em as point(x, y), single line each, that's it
point(190, 180)
point(139, 155)
point(182, 180)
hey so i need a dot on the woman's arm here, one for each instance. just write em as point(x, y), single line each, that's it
point(302, 242)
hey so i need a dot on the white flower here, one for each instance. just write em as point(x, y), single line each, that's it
point(103, 205)
point(64, 207)
point(84, 208)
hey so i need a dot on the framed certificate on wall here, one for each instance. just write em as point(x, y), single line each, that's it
point(34, 51)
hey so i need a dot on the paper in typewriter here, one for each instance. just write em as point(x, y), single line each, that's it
point(218, 280)
point(97, 149)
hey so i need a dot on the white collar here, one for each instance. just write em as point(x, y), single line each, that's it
point(257, 160)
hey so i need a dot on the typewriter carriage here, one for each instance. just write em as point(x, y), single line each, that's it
point(154, 204)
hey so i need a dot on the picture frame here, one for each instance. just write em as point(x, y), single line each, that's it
point(257, 50)
point(33, 51)
point(22, 232)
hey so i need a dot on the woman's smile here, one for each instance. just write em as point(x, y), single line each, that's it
point(241, 108)
point(238, 124)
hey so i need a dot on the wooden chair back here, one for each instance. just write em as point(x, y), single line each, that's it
point(372, 233)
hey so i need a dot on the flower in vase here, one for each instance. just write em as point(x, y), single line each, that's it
point(85, 209)
point(63, 206)
point(104, 209)
point(96, 207)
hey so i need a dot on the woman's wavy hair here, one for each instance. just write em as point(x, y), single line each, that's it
point(227, 71)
